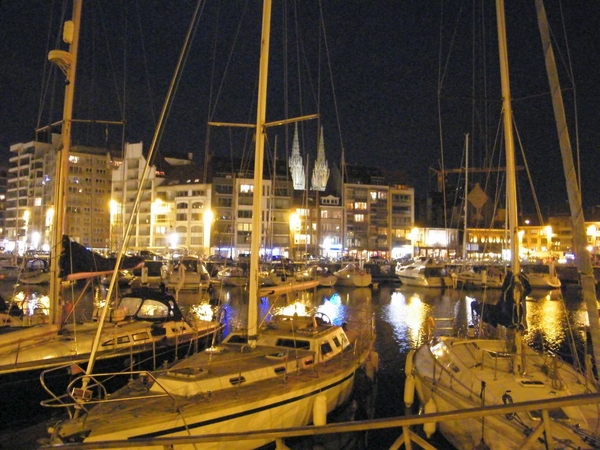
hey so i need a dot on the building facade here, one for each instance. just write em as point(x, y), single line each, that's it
point(30, 196)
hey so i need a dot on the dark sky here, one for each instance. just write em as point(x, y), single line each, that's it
point(383, 58)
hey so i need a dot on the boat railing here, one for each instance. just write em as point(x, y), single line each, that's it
point(96, 391)
point(407, 426)
point(79, 398)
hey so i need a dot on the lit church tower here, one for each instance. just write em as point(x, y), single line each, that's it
point(320, 173)
point(296, 165)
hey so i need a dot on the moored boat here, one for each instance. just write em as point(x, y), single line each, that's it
point(424, 273)
point(451, 374)
point(290, 371)
point(353, 276)
point(541, 275)
point(232, 276)
point(188, 273)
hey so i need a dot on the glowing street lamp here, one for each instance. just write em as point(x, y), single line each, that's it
point(548, 233)
point(208, 221)
point(173, 239)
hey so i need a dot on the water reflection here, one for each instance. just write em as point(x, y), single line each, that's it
point(400, 313)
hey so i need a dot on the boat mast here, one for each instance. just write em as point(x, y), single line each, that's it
point(466, 199)
point(258, 175)
point(67, 62)
point(583, 260)
point(511, 184)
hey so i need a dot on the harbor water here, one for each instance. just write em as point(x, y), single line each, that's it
point(556, 320)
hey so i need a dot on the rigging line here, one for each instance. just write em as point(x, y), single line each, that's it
point(335, 102)
point(50, 70)
point(569, 66)
point(145, 64)
point(529, 177)
point(219, 90)
point(442, 68)
point(110, 59)
point(182, 63)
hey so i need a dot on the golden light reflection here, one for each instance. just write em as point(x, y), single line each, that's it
point(408, 316)
point(297, 307)
point(545, 318)
point(33, 303)
point(203, 311)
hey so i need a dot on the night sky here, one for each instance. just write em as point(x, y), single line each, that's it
point(390, 74)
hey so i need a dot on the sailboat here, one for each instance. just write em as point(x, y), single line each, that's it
point(143, 321)
point(288, 371)
point(457, 373)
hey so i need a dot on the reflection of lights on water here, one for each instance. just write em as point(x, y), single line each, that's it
point(32, 302)
point(335, 299)
point(333, 309)
point(408, 316)
point(203, 311)
point(545, 318)
point(296, 308)
point(468, 310)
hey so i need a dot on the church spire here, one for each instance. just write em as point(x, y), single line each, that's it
point(296, 165)
point(320, 173)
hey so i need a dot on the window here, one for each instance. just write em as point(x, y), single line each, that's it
point(326, 349)
point(246, 189)
point(293, 343)
point(140, 337)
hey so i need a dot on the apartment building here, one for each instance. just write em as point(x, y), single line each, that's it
point(30, 195)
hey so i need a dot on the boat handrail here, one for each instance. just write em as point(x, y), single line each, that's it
point(402, 423)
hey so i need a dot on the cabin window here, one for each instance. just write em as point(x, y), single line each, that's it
point(120, 340)
point(326, 349)
point(152, 309)
point(337, 342)
point(293, 343)
point(279, 370)
point(237, 380)
point(140, 337)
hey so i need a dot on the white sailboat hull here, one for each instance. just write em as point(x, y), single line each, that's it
point(292, 407)
point(231, 388)
point(462, 365)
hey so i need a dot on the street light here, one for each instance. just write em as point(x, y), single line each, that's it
point(294, 227)
point(208, 220)
point(548, 232)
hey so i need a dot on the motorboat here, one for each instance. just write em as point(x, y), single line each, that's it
point(353, 276)
point(324, 277)
point(35, 271)
point(187, 273)
point(232, 276)
point(424, 273)
point(276, 274)
point(479, 276)
point(541, 275)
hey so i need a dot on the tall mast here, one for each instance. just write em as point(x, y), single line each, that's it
point(511, 187)
point(67, 61)
point(583, 259)
point(261, 114)
point(465, 240)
